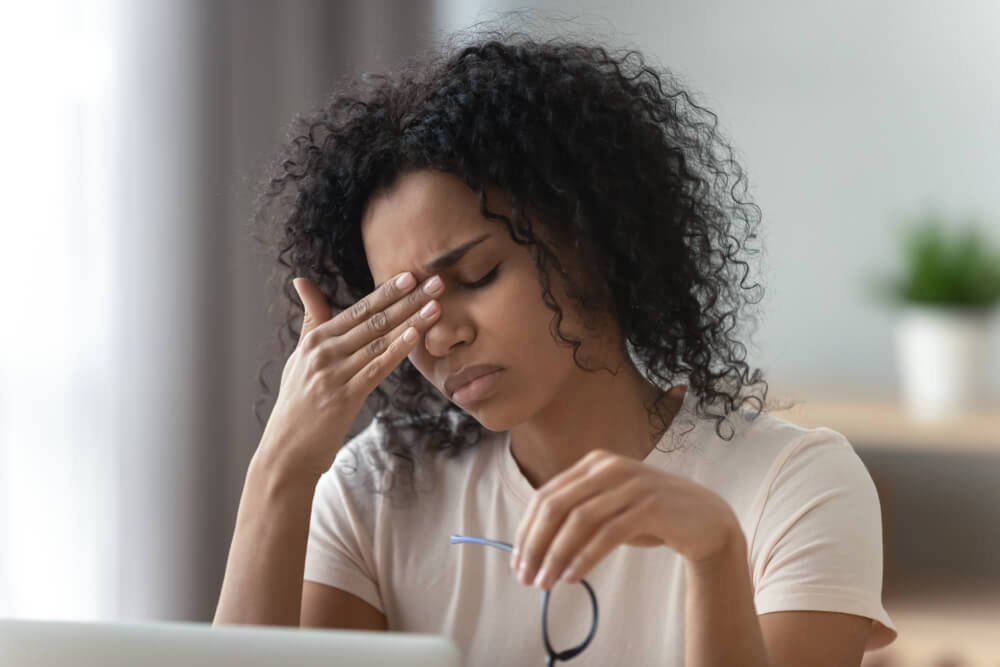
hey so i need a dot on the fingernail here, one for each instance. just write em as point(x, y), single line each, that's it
point(513, 559)
point(542, 576)
point(405, 281)
point(429, 309)
point(433, 285)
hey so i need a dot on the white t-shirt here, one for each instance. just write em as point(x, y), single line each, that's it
point(806, 503)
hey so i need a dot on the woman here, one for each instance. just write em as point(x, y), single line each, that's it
point(531, 260)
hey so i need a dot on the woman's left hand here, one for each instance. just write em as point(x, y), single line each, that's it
point(605, 500)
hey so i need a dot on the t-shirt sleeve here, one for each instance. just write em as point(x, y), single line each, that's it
point(818, 541)
point(340, 549)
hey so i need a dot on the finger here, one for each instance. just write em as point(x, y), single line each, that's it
point(367, 340)
point(549, 516)
point(580, 528)
point(317, 310)
point(379, 368)
point(567, 476)
point(374, 302)
point(361, 358)
point(595, 461)
point(615, 531)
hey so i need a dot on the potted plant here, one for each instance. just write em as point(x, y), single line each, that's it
point(947, 295)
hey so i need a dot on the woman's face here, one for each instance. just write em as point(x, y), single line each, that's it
point(501, 322)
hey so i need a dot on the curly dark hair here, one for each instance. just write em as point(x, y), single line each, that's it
point(609, 152)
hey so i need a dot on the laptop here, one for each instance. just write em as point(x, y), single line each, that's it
point(36, 643)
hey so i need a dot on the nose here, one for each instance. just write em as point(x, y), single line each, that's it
point(452, 328)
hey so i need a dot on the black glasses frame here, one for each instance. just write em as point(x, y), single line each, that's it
point(552, 655)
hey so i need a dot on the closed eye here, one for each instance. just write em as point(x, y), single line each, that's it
point(484, 281)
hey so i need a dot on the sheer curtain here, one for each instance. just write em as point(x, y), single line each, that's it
point(134, 303)
point(56, 412)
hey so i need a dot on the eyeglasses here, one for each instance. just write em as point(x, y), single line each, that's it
point(553, 655)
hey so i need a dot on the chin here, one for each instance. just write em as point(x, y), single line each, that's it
point(494, 416)
point(487, 419)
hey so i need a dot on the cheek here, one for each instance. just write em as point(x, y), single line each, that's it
point(420, 359)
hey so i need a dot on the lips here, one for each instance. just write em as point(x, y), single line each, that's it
point(467, 375)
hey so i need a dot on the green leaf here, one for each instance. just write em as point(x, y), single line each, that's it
point(957, 268)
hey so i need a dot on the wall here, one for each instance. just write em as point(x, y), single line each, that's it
point(846, 115)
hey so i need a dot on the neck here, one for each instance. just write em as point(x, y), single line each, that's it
point(600, 411)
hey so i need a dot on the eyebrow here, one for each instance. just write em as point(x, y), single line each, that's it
point(452, 256)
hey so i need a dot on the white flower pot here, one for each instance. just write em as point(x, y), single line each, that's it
point(943, 359)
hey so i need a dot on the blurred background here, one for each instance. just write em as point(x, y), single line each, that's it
point(136, 306)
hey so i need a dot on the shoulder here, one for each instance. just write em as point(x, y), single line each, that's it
point(765, 452)
point(763, 441)
point(817, 456)
point(759, 440)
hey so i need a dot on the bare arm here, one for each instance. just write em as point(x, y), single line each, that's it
point(328, 607)
point(336, 364)
point(263, 580)
point(723, 627)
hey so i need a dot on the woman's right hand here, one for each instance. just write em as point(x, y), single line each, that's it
point(336, 364)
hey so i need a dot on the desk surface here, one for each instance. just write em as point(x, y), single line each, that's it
point(873, 420)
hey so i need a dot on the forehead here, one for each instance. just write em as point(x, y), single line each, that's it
point(424, 214)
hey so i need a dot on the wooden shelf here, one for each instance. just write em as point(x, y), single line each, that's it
point(881, 421)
